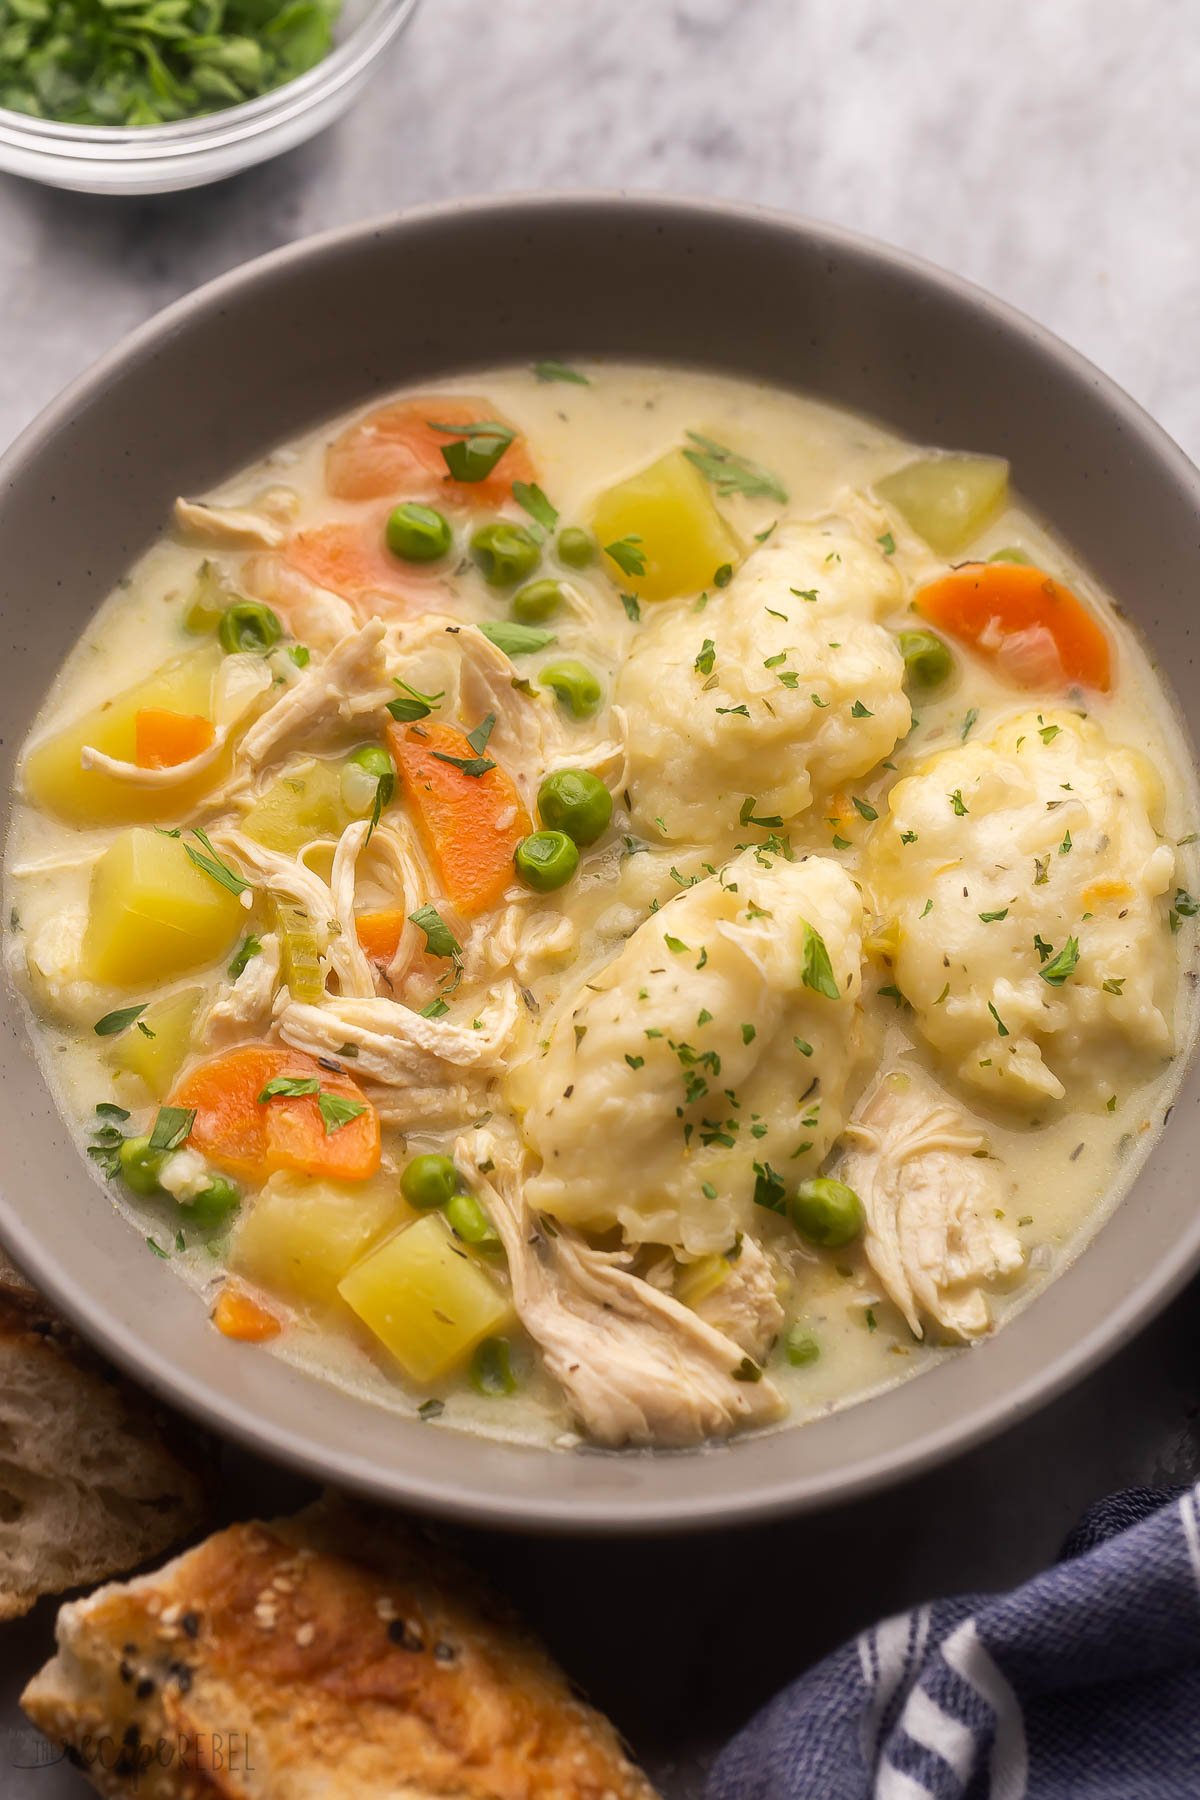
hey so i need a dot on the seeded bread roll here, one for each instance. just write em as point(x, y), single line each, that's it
point(336, 1655)
point(89, 1486)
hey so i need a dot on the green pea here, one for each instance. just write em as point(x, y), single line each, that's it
point(213, 1205)
point(801, 1348)
point(491, 1373)
point(576, 687)
point(429, 1181)
point(546, 860)
point(141, 1166)
point(826, 1212)
point(374, 759)
point(576, 547)
point(577, 802)
point(417, 533)
point(927, 660)
point(468, 1221)
point(537, 600)
point(505, 553)
point(249, 626)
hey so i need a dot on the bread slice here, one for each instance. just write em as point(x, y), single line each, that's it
point(88, 1487)
point(336, 1655)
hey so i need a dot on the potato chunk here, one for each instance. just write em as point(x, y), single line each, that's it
point(304, 804)
point(669, 510)
point(52, 773)
point(159, 1057)
point(426, 1300)
point(301, 1237)
point(152, 914)
point(947, 499)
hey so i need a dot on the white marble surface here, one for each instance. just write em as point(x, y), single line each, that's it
point(1049, 149)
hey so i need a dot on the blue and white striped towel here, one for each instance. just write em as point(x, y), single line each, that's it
point(1082, 1685)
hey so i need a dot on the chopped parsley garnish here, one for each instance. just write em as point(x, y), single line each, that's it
point(628, 555)
point(477, 448)
point(1063, 965)
point(706, 657)
point(859, 711)
point(817, 700)
point(120, 1020)
point(632, 609)
point(1001, 1027)
point(550, 370)
point(1041, 865)
point(967, 723)
point(250, 947)
point(635, 1062)
point(412, 703)
point(514, 638)
point(817, 972)
point(809, 594)
point(289, 1087)
point(993, 918)
point(864, 809)
point(1114, 984)
point(1048, 733)
point(1045, 951)
point(742, 712)
point(172, 1126)
point(478, 737)
point(439, 939)
point(529, 495)
point(748, 1034)
point(469, 765)
point(802, 1047)
point(1064, 849)
point(957, 802)
point(887, 544)
point(1185, 904)
point(300, 654)
point(731, 473)
point(891, 992)
point(908, 837)
point(770, 1189)
point(675, 945)
point(212, 865)
point(723, 575)
point(337, 1110)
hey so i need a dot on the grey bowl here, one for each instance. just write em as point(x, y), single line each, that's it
point(310, 330)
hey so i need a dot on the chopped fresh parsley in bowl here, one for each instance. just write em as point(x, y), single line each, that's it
point(154, 62)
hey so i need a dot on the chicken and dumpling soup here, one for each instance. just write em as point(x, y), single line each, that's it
point(609, 905)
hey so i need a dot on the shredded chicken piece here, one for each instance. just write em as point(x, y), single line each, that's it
point(636, 1366)
point(350, 683)
point(398, 1046)
point(233, 526)
point(607, 758)
point(520, 939)
point(477, 678)
point(361, 981)
point(407, 883)
point(930, 1200)
point(243, 1007)
point(447, 1106)
point(241, 682)
point(293, 879)
point(315, 615)
point(52, 958)
point(745, 1306)
point(175, 775)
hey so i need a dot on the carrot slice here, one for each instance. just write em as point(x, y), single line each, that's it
point(351, 559)
point(395, 451)
point(470, 824)
point(163, 740)
point(380, 932)
point(238, 1315)
point(1035, 628)
point(254, 1138)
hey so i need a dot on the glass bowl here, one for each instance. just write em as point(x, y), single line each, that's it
point(158, 159)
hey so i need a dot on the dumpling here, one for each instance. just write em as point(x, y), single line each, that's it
point(1026, 878)
point(782, 685)
point(711, 1055)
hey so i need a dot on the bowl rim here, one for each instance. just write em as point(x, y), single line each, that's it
point(789, 1493)
point(204, 133)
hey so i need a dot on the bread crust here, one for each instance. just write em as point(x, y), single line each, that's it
point(337, 1655)
point(118, 1485)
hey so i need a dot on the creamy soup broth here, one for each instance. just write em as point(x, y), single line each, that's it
point(983, 1134)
